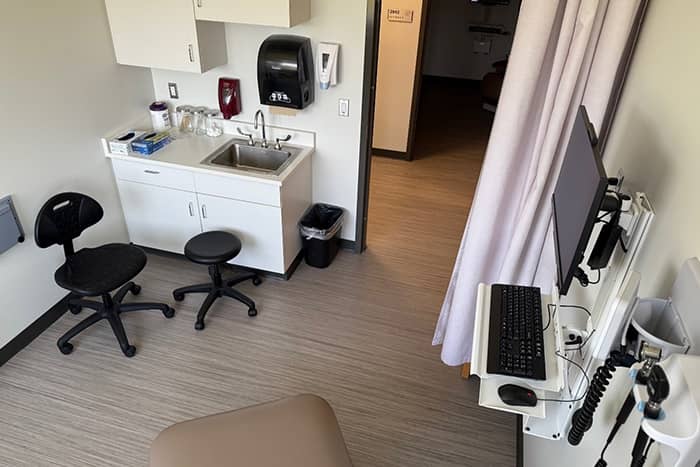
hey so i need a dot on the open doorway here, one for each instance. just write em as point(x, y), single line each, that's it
point(439, 69)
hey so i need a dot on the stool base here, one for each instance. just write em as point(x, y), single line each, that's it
point(219, 287)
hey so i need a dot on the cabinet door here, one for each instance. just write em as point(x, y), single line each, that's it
point(258, 226)
point(282, 13)
point(158, 217)
point(154, 33)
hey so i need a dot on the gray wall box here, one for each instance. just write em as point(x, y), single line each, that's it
point(11, 231)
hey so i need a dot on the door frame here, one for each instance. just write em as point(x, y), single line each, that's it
point(369, 88)
point(373, 24)
point(416, 92)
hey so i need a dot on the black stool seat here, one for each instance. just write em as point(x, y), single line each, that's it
point(95, 271)
point(213, 247)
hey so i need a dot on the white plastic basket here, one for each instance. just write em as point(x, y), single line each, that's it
point(658, 323)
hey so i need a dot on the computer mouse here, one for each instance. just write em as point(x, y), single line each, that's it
point(511, 394)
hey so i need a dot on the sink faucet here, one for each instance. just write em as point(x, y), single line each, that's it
point(260, 114)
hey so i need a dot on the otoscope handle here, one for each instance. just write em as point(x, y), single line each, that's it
point(626, 409)
point(640, 445)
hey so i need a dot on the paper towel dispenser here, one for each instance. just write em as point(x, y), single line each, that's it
point(286, 71)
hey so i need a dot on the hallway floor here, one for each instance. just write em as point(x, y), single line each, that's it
point(358, 334)
point(418, 210)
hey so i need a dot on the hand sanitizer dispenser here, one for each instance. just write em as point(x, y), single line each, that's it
point(328, 64)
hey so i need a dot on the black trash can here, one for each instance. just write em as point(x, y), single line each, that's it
point(320, 232)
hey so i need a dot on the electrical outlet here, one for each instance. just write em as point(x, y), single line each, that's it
point(344, 107)
point(172, 90)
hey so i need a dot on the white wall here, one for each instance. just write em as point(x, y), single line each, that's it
point(655, 139)
point(60, 90)
point(396, 70)
point(336, 162)
point(448, 44)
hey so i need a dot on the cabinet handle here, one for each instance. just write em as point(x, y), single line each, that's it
point(153, 172)
point(190, 50)
point(204, 211)
point(191, 209)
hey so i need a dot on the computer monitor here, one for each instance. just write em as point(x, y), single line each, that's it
point(577, 198)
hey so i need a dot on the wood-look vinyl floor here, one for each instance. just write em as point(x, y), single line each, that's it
point(358, 334)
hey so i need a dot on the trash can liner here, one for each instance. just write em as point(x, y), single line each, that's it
point(321, 221)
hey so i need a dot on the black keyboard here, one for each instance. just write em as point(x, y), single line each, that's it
point(516, 339)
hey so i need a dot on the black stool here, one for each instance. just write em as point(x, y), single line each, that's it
point(215, 249)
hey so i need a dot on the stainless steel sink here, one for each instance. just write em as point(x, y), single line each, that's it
point(240, 155)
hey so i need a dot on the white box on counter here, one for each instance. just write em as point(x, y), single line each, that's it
point(121, 143)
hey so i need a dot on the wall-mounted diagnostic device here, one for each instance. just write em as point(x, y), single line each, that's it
point(11, 231)
point(286, 71)
point(328, 55)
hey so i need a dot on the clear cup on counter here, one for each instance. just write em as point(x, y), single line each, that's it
point(199, 121)
point(213, 124)
point(185, 118)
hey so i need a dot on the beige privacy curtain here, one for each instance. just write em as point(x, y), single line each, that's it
point(565, 52)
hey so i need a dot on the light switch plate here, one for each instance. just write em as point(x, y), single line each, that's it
point(172, 90)
point(344, 107)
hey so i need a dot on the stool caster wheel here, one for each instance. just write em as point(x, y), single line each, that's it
point(66, 349)
point(199, 325)
point(252, 312)
point(136, 289)
point(178, 297)
point(257, 281)
point(169, 313)
point(130, 351)
point(75, 309)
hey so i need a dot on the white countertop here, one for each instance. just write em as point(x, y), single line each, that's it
point(189, 151)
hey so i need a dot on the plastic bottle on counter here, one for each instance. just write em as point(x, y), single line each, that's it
point(160, 117)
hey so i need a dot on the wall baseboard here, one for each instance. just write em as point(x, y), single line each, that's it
point(34, 330)
point(348, 244)
point(404, 156)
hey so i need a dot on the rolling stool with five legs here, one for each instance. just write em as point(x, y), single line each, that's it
point(92, 272)
point(215, 249)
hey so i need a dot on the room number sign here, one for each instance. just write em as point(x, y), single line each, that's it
point(400, 15)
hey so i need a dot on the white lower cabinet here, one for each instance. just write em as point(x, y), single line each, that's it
point(159, 217)
point(164, 207)
point(259, 227)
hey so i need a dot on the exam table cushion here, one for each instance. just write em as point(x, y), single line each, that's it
point(299, 431)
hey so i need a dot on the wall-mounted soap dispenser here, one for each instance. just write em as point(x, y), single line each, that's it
point(286, 71)
point(229, 97)
point(328, 64)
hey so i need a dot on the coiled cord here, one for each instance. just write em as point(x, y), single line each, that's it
point(583, 417)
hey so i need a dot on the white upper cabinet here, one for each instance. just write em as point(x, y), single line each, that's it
point(164, 34)
point(281, 13)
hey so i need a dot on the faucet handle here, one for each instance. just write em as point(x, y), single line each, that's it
point(251, 141)
point(279, 141)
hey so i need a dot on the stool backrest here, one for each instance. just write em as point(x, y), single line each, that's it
point(63, 218)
